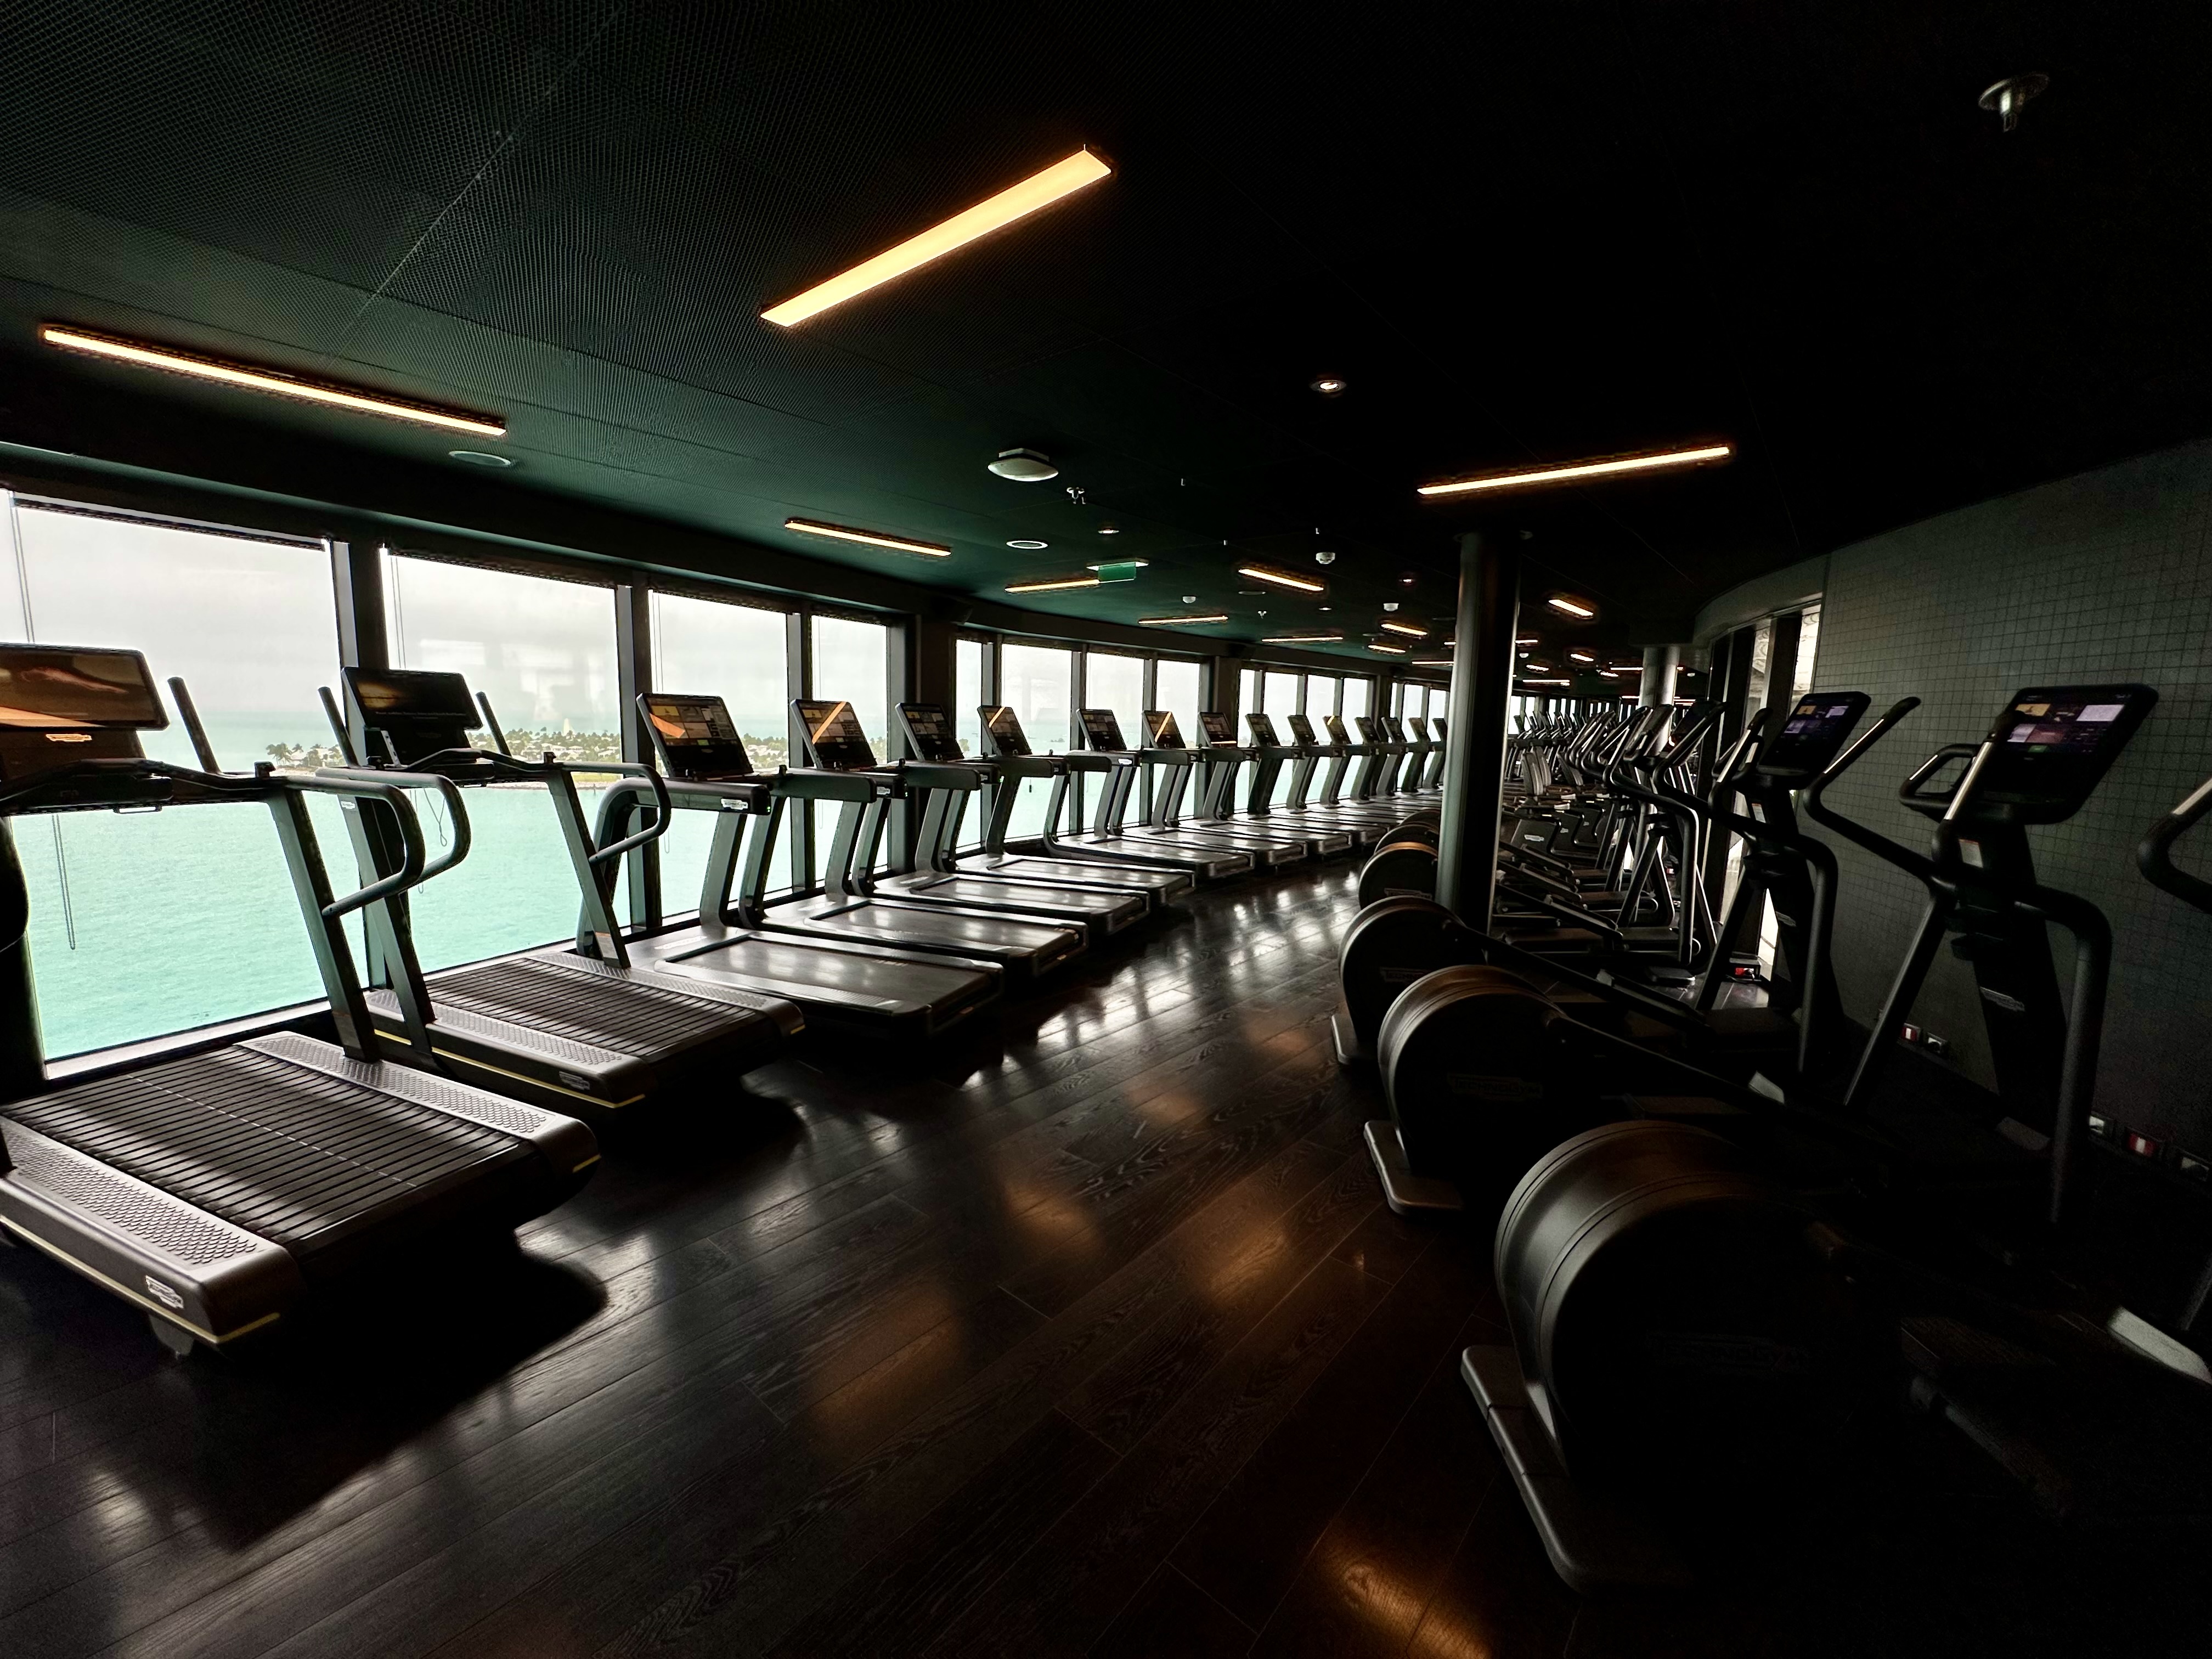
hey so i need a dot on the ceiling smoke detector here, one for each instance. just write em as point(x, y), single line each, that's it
point(2010, 95)
point(1025, 466)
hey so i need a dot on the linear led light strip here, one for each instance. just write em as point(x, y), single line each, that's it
point(1301, 639)
point(1572, 607)
point(1529, 478)
point(1051, 584)
point(1432, 662)
point(1039, 190)
point(1260, 573)
point(1180, 622)
point(1406, 628)
point(265, 379)
point(868, 538)
point(1394, 650)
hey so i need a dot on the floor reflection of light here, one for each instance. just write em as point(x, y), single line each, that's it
point(1366, 1587)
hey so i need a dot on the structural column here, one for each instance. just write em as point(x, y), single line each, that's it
point(1660, 663)
point(1474, 743)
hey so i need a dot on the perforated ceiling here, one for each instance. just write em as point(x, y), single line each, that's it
point(1524, 231)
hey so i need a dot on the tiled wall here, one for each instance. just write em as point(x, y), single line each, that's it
point(2105, 576)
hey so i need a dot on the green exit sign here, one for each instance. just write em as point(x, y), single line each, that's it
point(1124, 571)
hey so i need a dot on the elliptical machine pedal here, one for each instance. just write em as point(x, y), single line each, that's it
point(1407, 1194)
point(1594, 1541)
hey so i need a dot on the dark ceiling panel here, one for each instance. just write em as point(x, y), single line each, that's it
point(1522, 234)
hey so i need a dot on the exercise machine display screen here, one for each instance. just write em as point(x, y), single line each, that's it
point(2054, 742)
point(1812, 734)
point(833, 734)
point(931, 728)
point(1365, 723)
point(1101, 729)
point(695, 737)
point(1006, 728)
point(50, 689)
point(1418, 727)
point(1218, 732)
point(1300, 728)
point(418, 694)
point(1161, 730)
point(1335, 726)
point(1397, 733)
point(1262, 727)
point(1436, 728)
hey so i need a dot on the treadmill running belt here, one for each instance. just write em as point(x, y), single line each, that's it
point(285, 1153)
point(625, 1015)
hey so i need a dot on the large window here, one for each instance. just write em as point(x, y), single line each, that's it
point(1117, 682)
point(146, 923)
point(1177, 688)
point(542, 651)
point(852, 663)
point(968, 658)
point(1355, 703)
point(1279, 695)
point(1320, 698)
point(1037, 683)
point(735, 651)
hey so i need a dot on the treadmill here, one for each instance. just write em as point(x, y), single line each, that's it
point(220, 1189)
point(845, 770)
point(1271, 755)
point(1433, 779)
point(1219, 761)
point(943, 778)
point(1007, 752)
point(579, 1029)
point(1207, 859)
point(897, 993)
point(1178, 765)
point(940, 787)
point(1105, 841)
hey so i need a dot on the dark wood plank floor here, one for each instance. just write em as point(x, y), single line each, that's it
point(1087, 1334)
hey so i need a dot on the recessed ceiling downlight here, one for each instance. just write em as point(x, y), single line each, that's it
point(1029, 545)
point(481, 458)
point(1024, 465)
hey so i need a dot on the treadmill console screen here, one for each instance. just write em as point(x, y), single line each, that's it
point(52, 689)
point(695, 737)
point(2054, 742)
point(1262, 727)
point(422, 711)
point(1101, 730)
point(1365, 725)
point(1218, 732)
point(1436, 728)
point(1397, 733)
point(1811, 736)
point(412, 693)
point(833, 734)
point(930, 729)
point(1418, 727)
point(1006, 728)
point(1334, 725)
point(1161, 730)
point(1300, 728)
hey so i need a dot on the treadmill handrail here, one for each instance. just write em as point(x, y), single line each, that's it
point(447, 791)
point(414, 867)
point(2154, 855)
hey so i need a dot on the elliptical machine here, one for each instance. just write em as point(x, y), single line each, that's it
point(1679, 1306)
point(1495, 1053)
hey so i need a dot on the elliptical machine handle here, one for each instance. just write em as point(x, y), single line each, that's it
point(1821, 813)
point(2153, 856)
